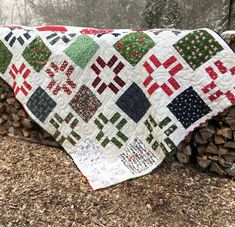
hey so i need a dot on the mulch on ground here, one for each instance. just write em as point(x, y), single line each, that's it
point(41, 186)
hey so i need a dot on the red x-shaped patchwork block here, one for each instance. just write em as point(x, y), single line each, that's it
point(68, 84)
point(115, 66)
point(24, 87)
point(216, 92)
point(171, 66)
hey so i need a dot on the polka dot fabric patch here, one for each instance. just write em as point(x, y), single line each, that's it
point(117, 100)
point(188, 107)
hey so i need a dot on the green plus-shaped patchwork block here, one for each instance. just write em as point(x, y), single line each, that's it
point(197, 48)
point(82, 50)
point(117, 123)
point(134, 46)
point(5, 57)
point(152, 126)
point(37, 54)
point(59, 123)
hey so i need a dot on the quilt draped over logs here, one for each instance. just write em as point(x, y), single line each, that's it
point(118, 101)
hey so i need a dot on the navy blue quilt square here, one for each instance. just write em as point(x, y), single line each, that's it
point(41, 104)
point(188, 107)
point(134, 102)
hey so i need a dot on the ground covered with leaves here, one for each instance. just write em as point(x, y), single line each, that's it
point(40, 186)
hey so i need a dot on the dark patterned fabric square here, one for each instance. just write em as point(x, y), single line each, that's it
point(134, 102)
point(41, 104)
point(188, 107)
point(85, 103)
point(197, 48)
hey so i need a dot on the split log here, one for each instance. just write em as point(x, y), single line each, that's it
point(203, 161)
point(198, 138)
point(207, 132)
point(214, 167)
point(219, 139)
point(225, 132)
point(212, 148)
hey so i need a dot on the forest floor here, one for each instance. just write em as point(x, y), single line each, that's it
point(40, 186)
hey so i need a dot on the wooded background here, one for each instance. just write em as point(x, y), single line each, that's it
point(184, 14)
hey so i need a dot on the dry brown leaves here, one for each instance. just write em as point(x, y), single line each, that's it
point(40, 186)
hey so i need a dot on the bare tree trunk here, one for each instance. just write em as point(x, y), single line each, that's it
point(232, 15)
point(2, 16)
point(25, 12)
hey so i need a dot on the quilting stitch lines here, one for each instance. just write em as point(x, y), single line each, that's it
point(19, 75)
point(110, 130)
point(152, 82)
point(60, 78)
point(65, 129)
point(109, 79)
point(218, 74)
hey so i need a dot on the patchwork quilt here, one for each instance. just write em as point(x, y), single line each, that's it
point(118, 101)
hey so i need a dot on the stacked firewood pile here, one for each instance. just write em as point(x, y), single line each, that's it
point(212, 146)
point(14, 121)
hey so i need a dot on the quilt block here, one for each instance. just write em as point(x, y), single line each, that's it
point(118, 101)
point(5, 57)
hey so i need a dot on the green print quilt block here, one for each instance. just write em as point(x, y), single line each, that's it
point(134, 46)
point(197, 48)
point(82, 50)
point(5, 57)
point(37, 54)
point(152, 126)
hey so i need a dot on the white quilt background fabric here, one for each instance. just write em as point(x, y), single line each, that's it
point(118, 101)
